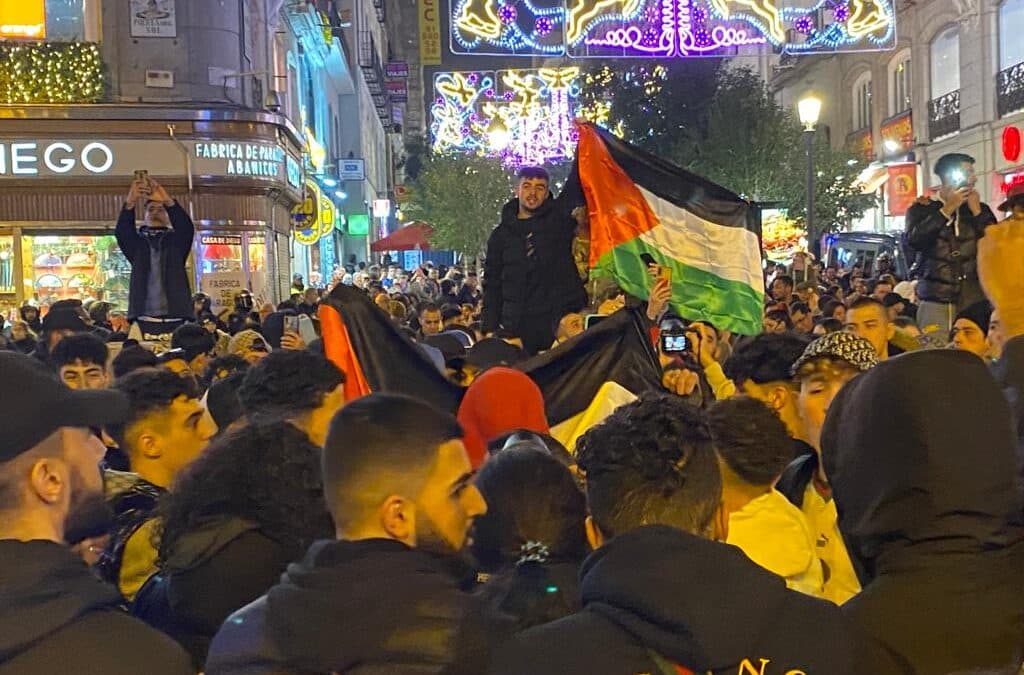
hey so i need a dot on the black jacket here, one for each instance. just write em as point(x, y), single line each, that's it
point(57, 617)
point(215, 571)
point(133, 501)
point(545, 285)
point(696, 603)
point(947, 268)
point(930, 509)
point(373, 606)
point(177, 244)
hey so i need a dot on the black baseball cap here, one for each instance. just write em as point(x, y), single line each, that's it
point(36, 404)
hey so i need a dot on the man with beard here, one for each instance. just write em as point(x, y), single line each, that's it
point(530, 277)
point(54, 615)
point(385, 596)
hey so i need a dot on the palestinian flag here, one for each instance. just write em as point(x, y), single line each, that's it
point(704, 233)
point(582, 380)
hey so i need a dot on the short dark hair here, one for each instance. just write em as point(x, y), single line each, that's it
point(829, 308)
point(428, 307)
point(132, 357)
point(84, 347)
point(651, 462)
point(868, 301)
point(904, 322)
point(192, 339)
point(807, 286)
point(750, 438)
point(287, 382)
point(786, 279)
point(528, 172)
point(148, 391)
point(950, 161)
point(222, 400)
point(799, 307)
point(382, 442)
point(230, 363)
point(766, 358)
point(449, 312)
point(782, 316)
point(830, 324)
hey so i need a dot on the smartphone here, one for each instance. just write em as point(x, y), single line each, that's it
point(673, 343)
point(957, 178)
point(291, 324)
point(142, 175)
point(593, 319)
point(306, 329)
point(648, 259)
point(665, 274)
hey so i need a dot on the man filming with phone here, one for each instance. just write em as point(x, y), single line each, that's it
point(160, 296)
point(945, 232)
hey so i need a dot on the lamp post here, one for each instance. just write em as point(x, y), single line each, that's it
point(809, 109)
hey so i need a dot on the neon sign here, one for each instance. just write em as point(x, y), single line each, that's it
point(522, 116)
point(667, 28)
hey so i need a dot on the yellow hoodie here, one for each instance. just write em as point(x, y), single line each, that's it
point(775, 535)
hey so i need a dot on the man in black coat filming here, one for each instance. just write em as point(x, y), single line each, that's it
point(530, 278)
point(160, 298)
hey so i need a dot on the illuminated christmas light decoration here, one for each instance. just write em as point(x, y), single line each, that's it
point(522, 116)
point(53, 72)
point(668, 28)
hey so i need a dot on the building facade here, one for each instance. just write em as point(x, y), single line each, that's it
point(954, 83)
point(242, 109)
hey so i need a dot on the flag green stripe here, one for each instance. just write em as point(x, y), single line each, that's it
point(696, 294)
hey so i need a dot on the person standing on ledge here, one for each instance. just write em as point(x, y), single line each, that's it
point(530, 277)
point(160, 297)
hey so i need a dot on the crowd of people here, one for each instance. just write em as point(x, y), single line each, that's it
point(839, 494)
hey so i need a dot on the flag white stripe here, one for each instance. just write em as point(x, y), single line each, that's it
point(732, 253)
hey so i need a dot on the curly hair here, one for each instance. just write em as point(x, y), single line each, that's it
point(288, 382)
point(750, 438)
point(766, 358)
point(84, 347)
point(267, 473)
point(148, 392)
point(651, 462)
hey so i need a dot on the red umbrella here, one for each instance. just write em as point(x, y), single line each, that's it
point(412, 237)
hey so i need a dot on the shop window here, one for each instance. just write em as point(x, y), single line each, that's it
point(7, 286)
point(900, 87)
point(945, 62)
point(76, 266)
point(862, 102)
point(1011, 25)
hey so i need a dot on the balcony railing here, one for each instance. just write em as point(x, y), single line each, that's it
point(1010, 90)
point(944, 115)
point(369, 63)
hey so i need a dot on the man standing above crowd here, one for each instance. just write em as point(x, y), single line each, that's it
point(530, 277)
point(945, 233)
point(160, 298)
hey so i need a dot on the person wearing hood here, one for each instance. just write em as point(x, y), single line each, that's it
point(30, 315)
point(499, 401)
point(530, 277)
point(385, 596)
point(57, 325)
point(55, 615)
point(933, 528)
point(249, 506)
point(23, 340)
point(658, 595)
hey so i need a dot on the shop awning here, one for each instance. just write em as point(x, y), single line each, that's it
point(872, 178)
point(412, 237)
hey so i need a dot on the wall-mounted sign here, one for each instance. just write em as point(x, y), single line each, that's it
point(221, 240)
point(359, 225)
point(430, 32)
point(398, 90)
point(381, 208)
point(898, 134)
point(306, 213)
point(49, 158)
point(1011, 144)
point(153, 18)
point(396, 69)
point(901, 188)
point(222, 288)
point(23, 19)
point(352, 169)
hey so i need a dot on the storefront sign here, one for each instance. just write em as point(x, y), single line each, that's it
point(153, 18)
point(352, 169)
point(901, 188)
point(396, 69)
point(43, 158)
point(23, 19)
point(1011, 144)
point(430, 33)
point(381, 208)
point(862, 145)
point(328, 215)
point(306, 212)
point(359, 225)
point(398, 90)
point(222, 288)
point(221, 240)
point(898, 134)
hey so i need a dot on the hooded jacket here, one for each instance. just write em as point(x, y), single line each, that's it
point(499, 401)
point(174, 248)
point(539, 280)
point(920, 453)
point(368, 607)
point(57, 617)
point(699, 604)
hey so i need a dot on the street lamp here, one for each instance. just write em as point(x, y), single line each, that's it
point(809, 109)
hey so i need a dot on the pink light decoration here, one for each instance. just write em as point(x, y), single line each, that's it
point(543, 26)
point(507, 14)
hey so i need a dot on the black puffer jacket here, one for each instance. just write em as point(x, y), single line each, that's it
point(57, 617)
point(920, 452)
point(176, 245)
point(947, 266)
point(358, 607)
point(545, 284)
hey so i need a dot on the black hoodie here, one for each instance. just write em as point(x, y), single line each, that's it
point(372, 606)
point(696, 603)
point(56, 617)
point(920, 453)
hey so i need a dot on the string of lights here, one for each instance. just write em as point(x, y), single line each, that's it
point(51, 72)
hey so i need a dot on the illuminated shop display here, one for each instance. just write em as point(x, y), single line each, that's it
point(667, 28)
point(523, 116)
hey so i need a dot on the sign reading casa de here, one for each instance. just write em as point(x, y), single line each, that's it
point(42, 158)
